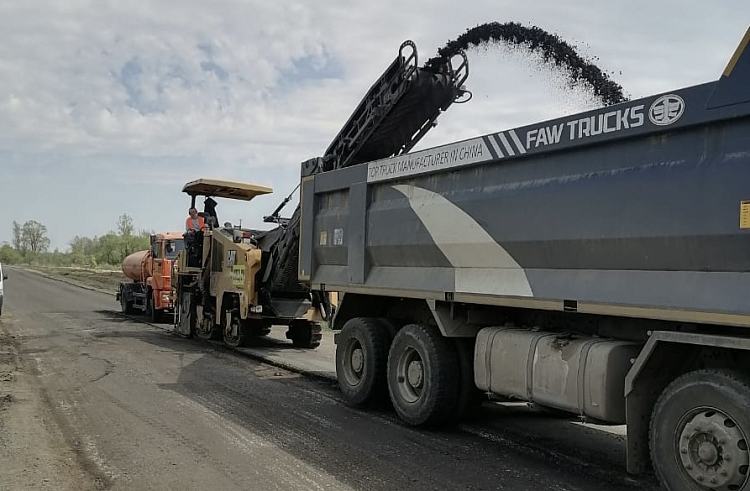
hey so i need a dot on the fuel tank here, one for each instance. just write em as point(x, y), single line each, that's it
point(138, 266)
point(578, 374)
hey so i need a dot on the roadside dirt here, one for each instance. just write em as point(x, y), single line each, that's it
point(33, 452)
point(103, 280)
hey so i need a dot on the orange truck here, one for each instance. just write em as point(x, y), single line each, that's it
point(150, 290)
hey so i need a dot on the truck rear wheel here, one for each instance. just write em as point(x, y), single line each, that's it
point(126, 306)
point(699, 432)
point(362, 360)
point(153, 314)
point(422, 378)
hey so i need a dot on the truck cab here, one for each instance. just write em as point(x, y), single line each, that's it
point(164, 250)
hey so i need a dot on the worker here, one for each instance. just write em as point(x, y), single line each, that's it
point(194, 222)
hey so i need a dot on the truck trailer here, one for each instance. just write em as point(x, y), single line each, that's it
point(597, 264)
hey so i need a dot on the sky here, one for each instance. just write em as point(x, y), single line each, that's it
point(109, 107)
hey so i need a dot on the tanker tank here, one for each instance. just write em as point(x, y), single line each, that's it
point(137, 267)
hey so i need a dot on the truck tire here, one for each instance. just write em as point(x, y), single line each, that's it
point(422, 379)
point(362, 360)
point(304, 334)
point(126, 306)
point(699, 432)
point(153, 314)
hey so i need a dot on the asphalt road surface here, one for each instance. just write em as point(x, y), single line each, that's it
point(92, 400)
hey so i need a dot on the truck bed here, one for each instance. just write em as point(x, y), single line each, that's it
point(638, 209)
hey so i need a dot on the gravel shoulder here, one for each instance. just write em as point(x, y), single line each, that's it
point(98, 280)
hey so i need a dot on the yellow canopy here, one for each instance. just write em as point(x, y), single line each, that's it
point(225, 189)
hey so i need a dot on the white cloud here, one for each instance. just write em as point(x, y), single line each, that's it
point(116, 104)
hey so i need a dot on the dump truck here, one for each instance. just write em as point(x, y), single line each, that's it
point(597, 264)
point(150, 272)
point(219, 276)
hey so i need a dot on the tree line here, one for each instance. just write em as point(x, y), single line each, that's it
point(30, 245)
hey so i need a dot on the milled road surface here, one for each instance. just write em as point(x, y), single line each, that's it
point(92, 400)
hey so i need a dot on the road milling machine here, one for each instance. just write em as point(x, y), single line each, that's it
point(219, 276)
point(235, 282)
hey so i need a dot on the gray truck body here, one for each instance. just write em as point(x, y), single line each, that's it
point(638, 209)
point(598, 264)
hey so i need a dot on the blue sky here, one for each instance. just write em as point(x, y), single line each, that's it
point(109, 107)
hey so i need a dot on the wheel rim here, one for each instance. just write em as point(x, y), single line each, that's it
point(203, 329)
point(712, 450)
point(410, 375)
point(354, 362)
point(232, 333)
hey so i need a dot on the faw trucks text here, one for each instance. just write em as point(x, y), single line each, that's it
point(597, 124)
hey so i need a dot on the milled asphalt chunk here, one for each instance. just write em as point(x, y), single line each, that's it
point(555, 52)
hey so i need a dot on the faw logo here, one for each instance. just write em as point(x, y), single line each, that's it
point(666, 110)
